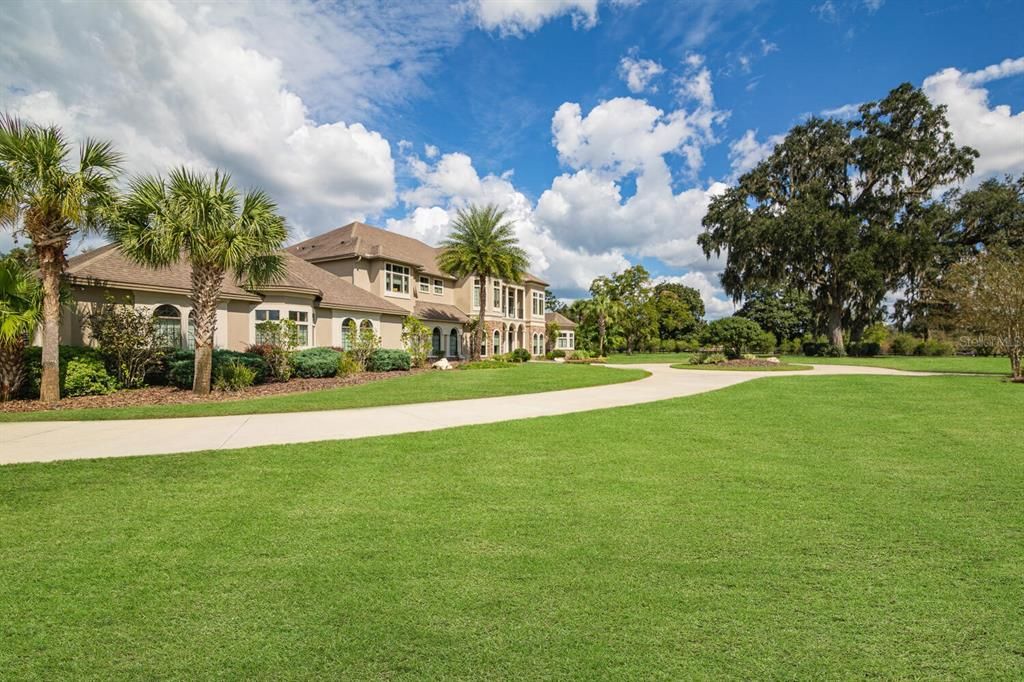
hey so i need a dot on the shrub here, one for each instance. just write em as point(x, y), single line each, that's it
point(315, 363)
point(734, 334)
point(765, 344)
point(417, 340)
point(934, 348)
point(347, 364)
point(233, 376)
point(127, 338)
point(181, 370)
point(365, 344)
point(707, 358)
point(904, 344)
point(388, 360)
point(34, 366)
point(865, 349)
point(556, 353)
point(790, 347)
point(88, 376)
point(578, 355)
point(279, 366)
point(486, 364)
point(821, 349)
point(520, 355)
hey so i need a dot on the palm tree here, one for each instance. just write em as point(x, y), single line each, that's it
point(482, 244)
point(20, 310)
point(604, 309)
point(47, 200)
point(205, 220)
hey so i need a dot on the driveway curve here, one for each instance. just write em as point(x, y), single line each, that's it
point(65, 440)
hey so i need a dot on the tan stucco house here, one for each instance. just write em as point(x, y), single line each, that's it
point(354, 274)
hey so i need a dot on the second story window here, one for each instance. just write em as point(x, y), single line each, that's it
point(538, 303)
point(438, 287)
point(396, 279)
point(424, 285)
point(476, 294)
point(496, 300)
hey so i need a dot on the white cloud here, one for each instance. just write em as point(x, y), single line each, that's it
point(747, 152)
point(873, 5)
point(519, 17)
point(995, 131)
point(211, 86)
point(452, 182)
point(767, 47)
point(844, 112)
point(716, 303)
point(431, 151)
point(639, 73)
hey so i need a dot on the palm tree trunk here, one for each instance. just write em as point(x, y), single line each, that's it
point(51, 264)
point(478, 346)
point(600, 333)
point(206, 285)
point(12, 368)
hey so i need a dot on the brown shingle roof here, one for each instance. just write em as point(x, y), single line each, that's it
point(439, 312)
point(107, 266)
point(561, 320)
point(367, 241)
point(336, 292)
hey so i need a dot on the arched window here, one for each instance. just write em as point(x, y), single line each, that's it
point(348, 333)
point(167, 320)
point(190, 340)
point(540, 348)
point(497, 342)
point(453, 344)
point(366, 324)
point(435, 342)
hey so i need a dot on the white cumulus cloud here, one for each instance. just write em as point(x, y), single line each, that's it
point(519, 17)
point(995, 131)
point(638, 73)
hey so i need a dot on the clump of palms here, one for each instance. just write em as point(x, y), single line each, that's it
point(483, 245)
point(206, 221)
point(48, 200)
point(20, 311)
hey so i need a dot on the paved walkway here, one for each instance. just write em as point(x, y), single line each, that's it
point(50, 441)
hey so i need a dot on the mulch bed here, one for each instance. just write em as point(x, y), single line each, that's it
point(748, 363)
point(169, 395)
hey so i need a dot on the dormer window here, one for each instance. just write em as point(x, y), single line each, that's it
point(424, 285)
point(439, 287)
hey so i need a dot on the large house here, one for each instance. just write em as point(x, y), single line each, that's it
point(353, 277)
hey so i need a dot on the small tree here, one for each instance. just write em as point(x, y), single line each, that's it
point(986, 293)
point(277, 340)
point(734, 334)
point(364, 344)
point(127, 338)
point(551, 331)
point(416, 337)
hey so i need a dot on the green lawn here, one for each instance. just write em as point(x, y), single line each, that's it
point(426, 387)
point(789, 527)
point(913, 363)
point(647, 358)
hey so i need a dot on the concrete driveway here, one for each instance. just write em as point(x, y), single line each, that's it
point(50, 441)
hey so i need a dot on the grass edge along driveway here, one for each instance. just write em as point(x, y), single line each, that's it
point(431, 386)
point(724, 535)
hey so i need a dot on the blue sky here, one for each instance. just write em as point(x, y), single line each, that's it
point(603, 127)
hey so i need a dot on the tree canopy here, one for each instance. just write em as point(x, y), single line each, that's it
point(834, 209)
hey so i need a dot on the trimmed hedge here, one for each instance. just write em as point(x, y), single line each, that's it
point(34, 367)
point(181, 369)
point(87, 376)
point(388, 360)
point(519, 355)
point(315, 363)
